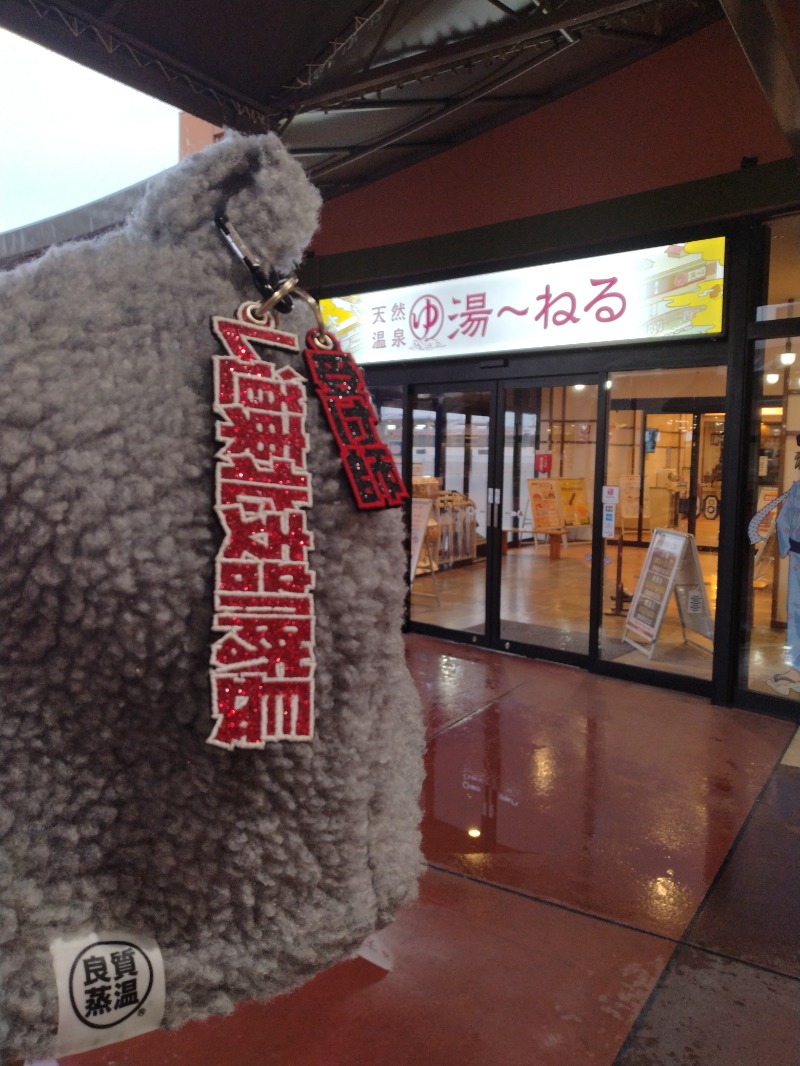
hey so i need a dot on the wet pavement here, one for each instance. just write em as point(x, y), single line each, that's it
point(612, 878)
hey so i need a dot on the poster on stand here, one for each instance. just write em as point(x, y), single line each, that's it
point(574, 501)
point(545, 505)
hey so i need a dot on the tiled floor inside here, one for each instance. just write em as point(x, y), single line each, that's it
point(612, 877)
point(544, 602)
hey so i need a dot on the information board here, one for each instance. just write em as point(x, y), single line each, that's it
point(545, 505)
point(574, 503)
point(632, 497)
point(672, 566)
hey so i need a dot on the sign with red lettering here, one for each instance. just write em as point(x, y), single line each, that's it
point(262, 664)
point(645, 294)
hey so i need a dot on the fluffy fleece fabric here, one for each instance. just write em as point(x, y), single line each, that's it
point(251, 869)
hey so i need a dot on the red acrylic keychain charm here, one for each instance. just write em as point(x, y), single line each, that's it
point(262, 667)
point(342, 391)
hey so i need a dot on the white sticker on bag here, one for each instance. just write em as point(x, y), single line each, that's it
point(110, 987)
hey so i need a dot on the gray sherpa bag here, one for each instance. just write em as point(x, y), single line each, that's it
point(251, 869)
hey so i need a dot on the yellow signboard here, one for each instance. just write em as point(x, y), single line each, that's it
point(574, 504)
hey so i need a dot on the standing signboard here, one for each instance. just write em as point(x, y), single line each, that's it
point(420, 513)
point(545, 505)
point(574, 502)
point(672, 567)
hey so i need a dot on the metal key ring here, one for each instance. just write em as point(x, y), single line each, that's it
point(286, 286)
point(322, 337)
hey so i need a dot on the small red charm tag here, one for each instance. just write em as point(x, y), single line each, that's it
point(262, 667)
point(367, 461)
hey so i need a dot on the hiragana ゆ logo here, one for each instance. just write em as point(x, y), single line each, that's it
point(108, 982)
point(426, 318)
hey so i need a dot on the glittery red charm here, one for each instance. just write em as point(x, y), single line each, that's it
point(348, 408)
point(262, 666)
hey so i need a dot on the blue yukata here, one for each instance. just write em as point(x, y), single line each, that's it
point(787, 527)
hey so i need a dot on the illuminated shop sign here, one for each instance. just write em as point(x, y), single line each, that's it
point(670, 291)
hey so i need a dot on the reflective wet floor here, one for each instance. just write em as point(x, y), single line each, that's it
point(612, 877)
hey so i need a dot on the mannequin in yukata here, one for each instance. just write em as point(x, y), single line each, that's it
point(787, 528)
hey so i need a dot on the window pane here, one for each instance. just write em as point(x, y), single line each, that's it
point(388, 404)
point(450, 465)
point(546, 530)
point(783, 292)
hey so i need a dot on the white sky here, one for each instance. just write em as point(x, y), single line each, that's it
point(69, 136)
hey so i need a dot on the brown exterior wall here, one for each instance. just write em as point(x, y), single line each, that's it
point(195, 133)
point(691, 111)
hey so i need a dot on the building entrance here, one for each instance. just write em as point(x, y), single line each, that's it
point(514, 548)
point(509, 471)
point(665, 435)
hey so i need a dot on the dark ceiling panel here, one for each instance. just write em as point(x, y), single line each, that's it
point(70, 31)
point(256, 46)
point(360, 88)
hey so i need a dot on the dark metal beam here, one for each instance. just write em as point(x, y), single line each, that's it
point(487, 43)
point(376, 15)
point(383, 36)
point(772, 51)
point(428, 101)
point(506, 9)
point(626, 35)
point(109, 11)
point(351, 152)
point(487, 86)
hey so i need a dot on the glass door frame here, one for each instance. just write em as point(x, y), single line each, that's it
point(493, 607)
point(491, 386)
point(497, 387)
point(592, 366)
